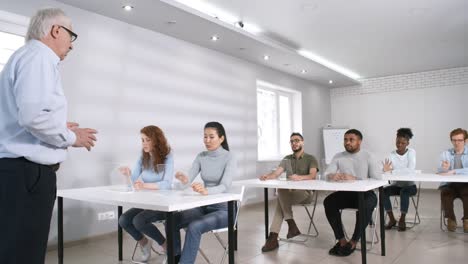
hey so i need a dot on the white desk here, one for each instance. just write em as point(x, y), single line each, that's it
point(355, 186)
point(426, 177)
point(163, 200)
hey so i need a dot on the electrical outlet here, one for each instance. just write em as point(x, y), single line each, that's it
point(106, 215)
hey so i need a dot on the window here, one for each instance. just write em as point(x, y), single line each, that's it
point(278, 115)
point(8, 44)
point(12, 31)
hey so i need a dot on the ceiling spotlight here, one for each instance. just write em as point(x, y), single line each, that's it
point(330, 81)
point(214, 38)
point(266, 57)
point(239, 24)
point(304, 71)
point(127, 7)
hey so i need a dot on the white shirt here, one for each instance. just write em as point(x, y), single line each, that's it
point(33, 108)
point(403, 164)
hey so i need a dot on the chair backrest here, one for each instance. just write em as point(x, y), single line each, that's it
point(240, 190)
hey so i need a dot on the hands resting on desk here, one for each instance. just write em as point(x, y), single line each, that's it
point(339, 177)
point(139, 184)
point(196, 186)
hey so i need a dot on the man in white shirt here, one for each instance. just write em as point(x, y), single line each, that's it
point(34, 136)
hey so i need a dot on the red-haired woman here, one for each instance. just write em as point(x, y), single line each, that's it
point(148, 175)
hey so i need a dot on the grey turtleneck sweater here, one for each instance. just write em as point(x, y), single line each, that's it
point(217, 169)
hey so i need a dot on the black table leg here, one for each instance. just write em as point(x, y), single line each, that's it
point(266, 212)
point(362, 223)
point(231, 231)
point(236, 206)
point(60, 229)
point(170, 226)
point(382, 223)
point(119, 233)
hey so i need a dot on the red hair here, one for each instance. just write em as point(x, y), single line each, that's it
point(160, 147)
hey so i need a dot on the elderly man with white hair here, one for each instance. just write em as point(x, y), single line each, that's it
point(34, 136)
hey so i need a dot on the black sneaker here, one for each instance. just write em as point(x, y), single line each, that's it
point(346, 250)
point(335, 249)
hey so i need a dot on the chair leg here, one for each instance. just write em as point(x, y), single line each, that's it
point(204, 256)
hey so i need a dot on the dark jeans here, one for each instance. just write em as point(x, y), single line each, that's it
point(27, 196)
point(137, 221)
point(197, 221)
point(448, 193)
point(404, 192)
point(337, 201)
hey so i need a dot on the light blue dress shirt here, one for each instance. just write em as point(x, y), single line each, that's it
point(449, 155)
point(163, 179)
point(33, 108)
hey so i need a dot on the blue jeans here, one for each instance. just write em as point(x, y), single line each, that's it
point(196, 222)
point(403, 192)
point(138, 222)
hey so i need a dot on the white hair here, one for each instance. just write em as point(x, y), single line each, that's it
point(41, 23)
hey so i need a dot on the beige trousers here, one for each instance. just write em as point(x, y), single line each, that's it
point(286, 199)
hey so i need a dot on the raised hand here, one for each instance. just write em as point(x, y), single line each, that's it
point(181, 177)
point(387, 165)
point(125, 171)
point(446, 165)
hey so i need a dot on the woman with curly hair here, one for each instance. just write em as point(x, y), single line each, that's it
point(150, 175)
point(401, 161)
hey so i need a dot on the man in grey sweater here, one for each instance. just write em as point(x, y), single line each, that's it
point(352, 164)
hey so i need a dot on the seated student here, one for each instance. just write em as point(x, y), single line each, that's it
point(401, 161)
point(304, 167)
point(217, 167)
point(155, 151)
point(455, 161)
point(352, 164)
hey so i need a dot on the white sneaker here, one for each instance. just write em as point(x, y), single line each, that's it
point(146, 251)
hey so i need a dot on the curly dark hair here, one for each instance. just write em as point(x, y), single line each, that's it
point(160, 147)
point(405, 133)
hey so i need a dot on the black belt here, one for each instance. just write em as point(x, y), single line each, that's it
point(54, 167)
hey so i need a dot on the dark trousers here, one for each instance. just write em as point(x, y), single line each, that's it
point(27, 196)
point(337, 201)
point(404, 192)
point(451, 191)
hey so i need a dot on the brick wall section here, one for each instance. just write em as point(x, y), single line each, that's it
point(419, 80)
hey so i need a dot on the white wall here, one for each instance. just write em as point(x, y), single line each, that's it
point(120, 78)
point(431, 103)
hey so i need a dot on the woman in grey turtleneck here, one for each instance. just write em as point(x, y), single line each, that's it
point(216, 167)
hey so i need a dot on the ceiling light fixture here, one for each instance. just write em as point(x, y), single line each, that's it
point(266, 57)
point(329, 64)
point(214, 38)
point(218, 13)
point(330, 81)
point(304, 71)
point(127, 7)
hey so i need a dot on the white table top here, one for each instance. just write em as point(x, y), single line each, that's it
point(426, 177)
point(354, 186)
point(161, 200)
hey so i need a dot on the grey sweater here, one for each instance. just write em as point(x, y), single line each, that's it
point(361, 165)
point(217, 169)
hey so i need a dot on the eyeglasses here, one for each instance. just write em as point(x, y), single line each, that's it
point(72, 34)
point(458, 140)
point(294, 141)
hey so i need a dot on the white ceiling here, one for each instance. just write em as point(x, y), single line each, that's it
point(369, 37)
